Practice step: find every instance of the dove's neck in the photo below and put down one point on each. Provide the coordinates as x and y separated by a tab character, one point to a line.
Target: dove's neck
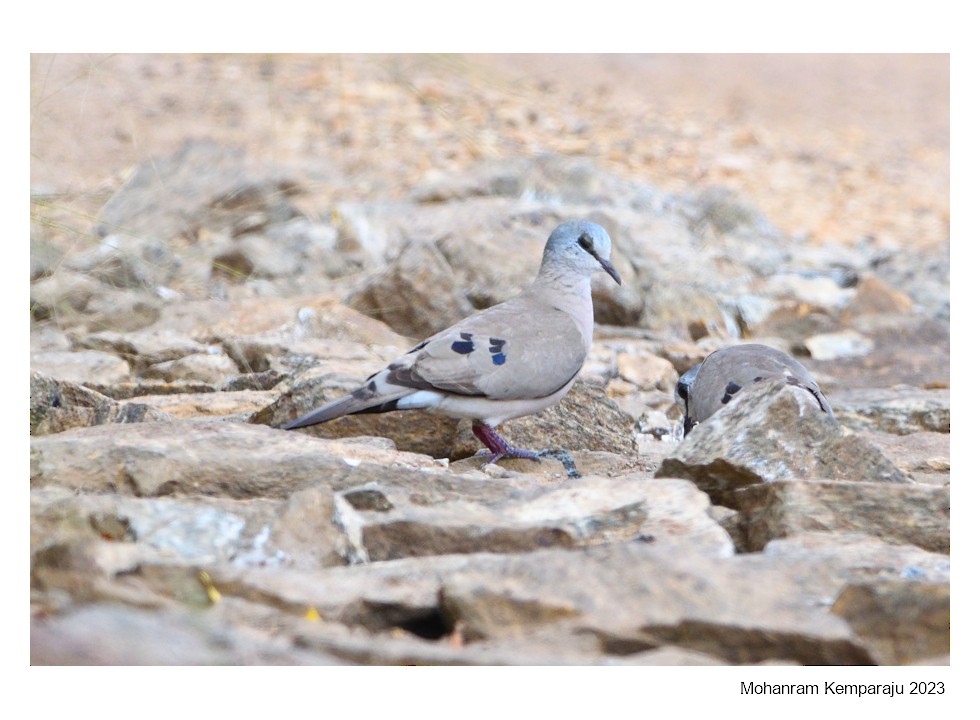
568	292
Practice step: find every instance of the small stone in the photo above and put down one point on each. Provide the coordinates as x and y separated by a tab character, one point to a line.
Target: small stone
844	344
648	372
876	297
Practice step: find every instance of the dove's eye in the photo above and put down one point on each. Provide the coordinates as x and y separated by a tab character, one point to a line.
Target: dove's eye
585	241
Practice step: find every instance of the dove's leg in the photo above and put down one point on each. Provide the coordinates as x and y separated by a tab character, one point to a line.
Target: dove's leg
499	448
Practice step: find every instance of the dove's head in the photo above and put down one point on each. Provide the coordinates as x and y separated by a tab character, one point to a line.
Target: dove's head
581	247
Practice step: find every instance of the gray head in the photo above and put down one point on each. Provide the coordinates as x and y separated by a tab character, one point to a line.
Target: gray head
580	247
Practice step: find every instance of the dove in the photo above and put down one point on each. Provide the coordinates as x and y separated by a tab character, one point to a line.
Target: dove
509	360
708	386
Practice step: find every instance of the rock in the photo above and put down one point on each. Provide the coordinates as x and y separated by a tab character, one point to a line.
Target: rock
57	406
417	295
195	531
752	311
771	434
817	291
296	247
208	458
72	299
155	388
903	514
184	532
128	261
239	405
45	337
82	366
924	455
745	609
118	635
656	423
726	213
831	346
648	372
898	410
686	311
215	368
585	419
205	457
142	348
170	196
391	523
901	622
876	297
853	550
908	349
62	293
46	258
304	533
922	273
121	310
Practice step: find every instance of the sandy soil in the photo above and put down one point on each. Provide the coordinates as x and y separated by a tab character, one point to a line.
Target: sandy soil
831	147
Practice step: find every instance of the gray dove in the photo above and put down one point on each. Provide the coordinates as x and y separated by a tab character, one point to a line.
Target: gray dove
510	360
708	386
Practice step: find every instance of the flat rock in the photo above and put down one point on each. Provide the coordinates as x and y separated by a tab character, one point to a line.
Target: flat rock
83	366
207	458
57	406
215	368
118	635
628	598
924	455
910	514
142	348
901	622
391	522
898	410
749	608
240	404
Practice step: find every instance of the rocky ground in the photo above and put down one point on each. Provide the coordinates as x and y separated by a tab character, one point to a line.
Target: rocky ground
220	243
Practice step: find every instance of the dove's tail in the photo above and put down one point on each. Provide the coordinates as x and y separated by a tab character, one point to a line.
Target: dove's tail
369	398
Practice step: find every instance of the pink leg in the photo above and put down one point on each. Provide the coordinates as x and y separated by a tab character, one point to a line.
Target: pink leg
499	448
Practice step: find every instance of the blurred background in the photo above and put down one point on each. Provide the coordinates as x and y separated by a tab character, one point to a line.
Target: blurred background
749	194
830	147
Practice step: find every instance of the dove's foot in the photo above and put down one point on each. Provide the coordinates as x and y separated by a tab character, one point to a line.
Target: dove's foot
565	458
498	447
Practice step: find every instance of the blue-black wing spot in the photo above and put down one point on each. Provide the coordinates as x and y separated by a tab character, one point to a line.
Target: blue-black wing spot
730	389
463	347
499	359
